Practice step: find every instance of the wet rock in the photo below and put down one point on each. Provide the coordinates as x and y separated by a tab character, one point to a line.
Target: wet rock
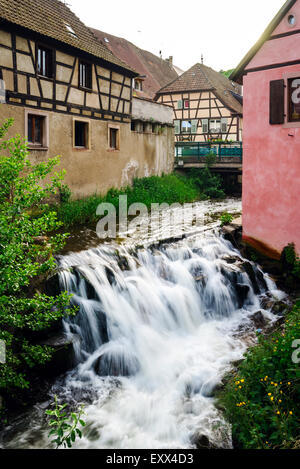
259	319
249	269
231	259
110	276
63	358
203	442
52	285
242	293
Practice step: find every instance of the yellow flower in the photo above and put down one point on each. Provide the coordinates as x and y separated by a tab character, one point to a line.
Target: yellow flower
280	401
272	399
278	413
291	413
289	384
242	381
269	394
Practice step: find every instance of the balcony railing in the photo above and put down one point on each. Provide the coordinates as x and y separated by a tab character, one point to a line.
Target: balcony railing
198	151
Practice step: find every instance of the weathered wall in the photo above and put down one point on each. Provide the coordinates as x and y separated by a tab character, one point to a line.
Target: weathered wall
152	112
99	168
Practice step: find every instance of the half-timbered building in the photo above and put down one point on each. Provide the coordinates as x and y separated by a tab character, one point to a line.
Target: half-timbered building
206	105
69	95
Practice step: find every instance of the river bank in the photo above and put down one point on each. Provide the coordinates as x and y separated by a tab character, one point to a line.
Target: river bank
178	340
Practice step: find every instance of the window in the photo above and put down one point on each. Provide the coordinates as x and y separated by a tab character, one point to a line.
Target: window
85	75
186	104
138	85
179	104
45	62
36	129
292	20
294	99
133	126
114	138
81	134
70	30
215	126
186	127
189	127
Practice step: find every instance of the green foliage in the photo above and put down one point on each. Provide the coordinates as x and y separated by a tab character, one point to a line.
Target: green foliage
25	260
227	73
65	428
208	184
169	189
65	193
262	400
292	259
226	218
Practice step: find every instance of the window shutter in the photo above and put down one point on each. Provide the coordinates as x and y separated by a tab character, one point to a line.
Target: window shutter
224	125
180	104
277	102
177	127
194	126
204	126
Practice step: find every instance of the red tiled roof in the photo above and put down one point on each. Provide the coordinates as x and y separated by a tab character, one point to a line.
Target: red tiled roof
157	72
203	78
49	18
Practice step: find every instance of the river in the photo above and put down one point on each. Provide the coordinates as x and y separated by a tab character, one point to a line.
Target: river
159	325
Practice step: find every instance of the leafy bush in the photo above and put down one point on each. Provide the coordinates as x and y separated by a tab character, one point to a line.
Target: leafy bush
262	400
208	184
26	258
226	218
292	259
65	193
65	428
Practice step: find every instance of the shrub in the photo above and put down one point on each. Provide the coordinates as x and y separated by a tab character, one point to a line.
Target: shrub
226	218
261	401
26	258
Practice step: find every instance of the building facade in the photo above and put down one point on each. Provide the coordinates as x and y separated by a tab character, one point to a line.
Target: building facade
206	105
70	96
271	167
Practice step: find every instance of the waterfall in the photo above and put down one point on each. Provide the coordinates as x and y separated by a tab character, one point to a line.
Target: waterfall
157	330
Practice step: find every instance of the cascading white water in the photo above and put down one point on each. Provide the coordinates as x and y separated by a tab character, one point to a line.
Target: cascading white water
166	328
157	330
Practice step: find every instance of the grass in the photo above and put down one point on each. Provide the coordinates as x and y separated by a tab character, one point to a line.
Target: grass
171	188
261	400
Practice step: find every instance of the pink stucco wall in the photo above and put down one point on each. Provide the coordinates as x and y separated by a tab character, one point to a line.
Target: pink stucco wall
271	168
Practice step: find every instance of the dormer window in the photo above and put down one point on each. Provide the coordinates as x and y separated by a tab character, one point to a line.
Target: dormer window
44	62
85	75
138	85
70	30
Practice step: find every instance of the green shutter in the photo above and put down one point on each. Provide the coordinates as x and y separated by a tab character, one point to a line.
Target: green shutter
194	126
204	126
224	125
180	104
177	127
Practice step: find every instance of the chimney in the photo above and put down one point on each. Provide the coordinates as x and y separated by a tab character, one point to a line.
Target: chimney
202	59
170	60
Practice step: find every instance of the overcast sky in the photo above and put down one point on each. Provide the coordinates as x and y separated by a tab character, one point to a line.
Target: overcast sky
222	30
